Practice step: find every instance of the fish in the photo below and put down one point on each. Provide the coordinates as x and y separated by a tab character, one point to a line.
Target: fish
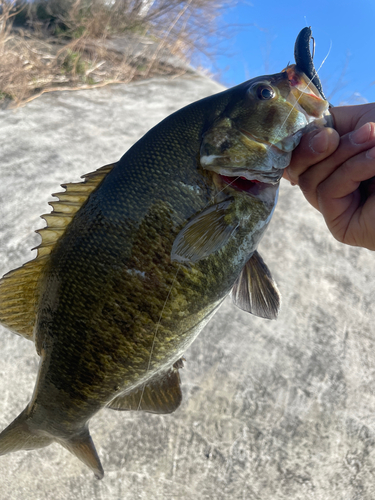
138	257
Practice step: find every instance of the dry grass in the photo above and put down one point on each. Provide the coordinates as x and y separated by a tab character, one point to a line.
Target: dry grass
77	49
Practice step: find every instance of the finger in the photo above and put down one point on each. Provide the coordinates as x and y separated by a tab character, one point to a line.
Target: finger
313	148
356	227
350	145
348	118
339	195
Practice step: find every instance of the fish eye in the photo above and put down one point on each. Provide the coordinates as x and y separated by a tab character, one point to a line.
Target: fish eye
265	92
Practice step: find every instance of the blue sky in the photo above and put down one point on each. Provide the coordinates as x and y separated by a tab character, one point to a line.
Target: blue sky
265	42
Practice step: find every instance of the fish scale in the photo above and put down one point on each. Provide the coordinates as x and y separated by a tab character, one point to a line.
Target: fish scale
136	259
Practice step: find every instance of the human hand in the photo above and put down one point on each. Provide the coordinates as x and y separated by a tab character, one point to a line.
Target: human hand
335	170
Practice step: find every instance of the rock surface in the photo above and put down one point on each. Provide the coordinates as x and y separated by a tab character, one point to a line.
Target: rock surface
272	409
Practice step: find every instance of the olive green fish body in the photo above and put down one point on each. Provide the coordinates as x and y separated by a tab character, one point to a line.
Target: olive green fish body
135	260
112	293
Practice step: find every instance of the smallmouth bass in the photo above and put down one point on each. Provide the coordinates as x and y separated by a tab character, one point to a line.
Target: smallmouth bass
135	261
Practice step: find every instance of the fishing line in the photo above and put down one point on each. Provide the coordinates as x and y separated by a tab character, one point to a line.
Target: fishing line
324	60
159	322
316	72
307	86
150	358
212	200
155	335
179	265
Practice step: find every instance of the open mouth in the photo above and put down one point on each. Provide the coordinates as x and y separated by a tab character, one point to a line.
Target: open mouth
263	191
239	183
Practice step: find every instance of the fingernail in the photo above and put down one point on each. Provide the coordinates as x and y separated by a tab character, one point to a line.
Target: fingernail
319	142
371	154
361	135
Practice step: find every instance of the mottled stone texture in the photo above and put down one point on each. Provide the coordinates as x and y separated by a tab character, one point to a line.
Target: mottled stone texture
272	409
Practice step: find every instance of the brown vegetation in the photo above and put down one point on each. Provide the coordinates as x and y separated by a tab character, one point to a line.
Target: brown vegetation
69	44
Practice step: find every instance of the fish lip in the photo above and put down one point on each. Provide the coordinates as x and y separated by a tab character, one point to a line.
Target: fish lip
286	144
302	85
289	143
260	141
297	78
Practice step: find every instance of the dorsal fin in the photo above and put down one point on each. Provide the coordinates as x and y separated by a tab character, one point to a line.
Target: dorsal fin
162	395
19	289
68	204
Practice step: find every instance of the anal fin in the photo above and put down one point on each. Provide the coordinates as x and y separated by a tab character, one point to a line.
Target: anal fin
162	395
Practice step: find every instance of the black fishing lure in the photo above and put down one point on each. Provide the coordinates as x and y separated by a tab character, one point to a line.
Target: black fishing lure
304	59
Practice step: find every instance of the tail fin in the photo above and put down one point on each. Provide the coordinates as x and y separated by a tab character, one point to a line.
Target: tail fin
17	436
21	435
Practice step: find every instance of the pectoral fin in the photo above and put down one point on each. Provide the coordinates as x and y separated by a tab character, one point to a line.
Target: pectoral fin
255	291
205	234
160	396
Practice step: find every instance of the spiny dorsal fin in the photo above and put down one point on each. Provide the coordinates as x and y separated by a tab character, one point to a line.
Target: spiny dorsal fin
160	396
19	289
68	204
255	291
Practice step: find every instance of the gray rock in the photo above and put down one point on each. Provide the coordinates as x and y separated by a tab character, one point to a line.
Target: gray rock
272	409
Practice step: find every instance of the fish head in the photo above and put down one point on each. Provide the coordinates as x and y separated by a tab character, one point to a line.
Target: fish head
263	123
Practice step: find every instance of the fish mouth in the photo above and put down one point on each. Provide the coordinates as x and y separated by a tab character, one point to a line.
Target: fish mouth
306	97
253	180
240	183
307	100
289	143
264	191
252	149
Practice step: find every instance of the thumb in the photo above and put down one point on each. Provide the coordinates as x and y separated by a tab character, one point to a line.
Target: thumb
313	148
